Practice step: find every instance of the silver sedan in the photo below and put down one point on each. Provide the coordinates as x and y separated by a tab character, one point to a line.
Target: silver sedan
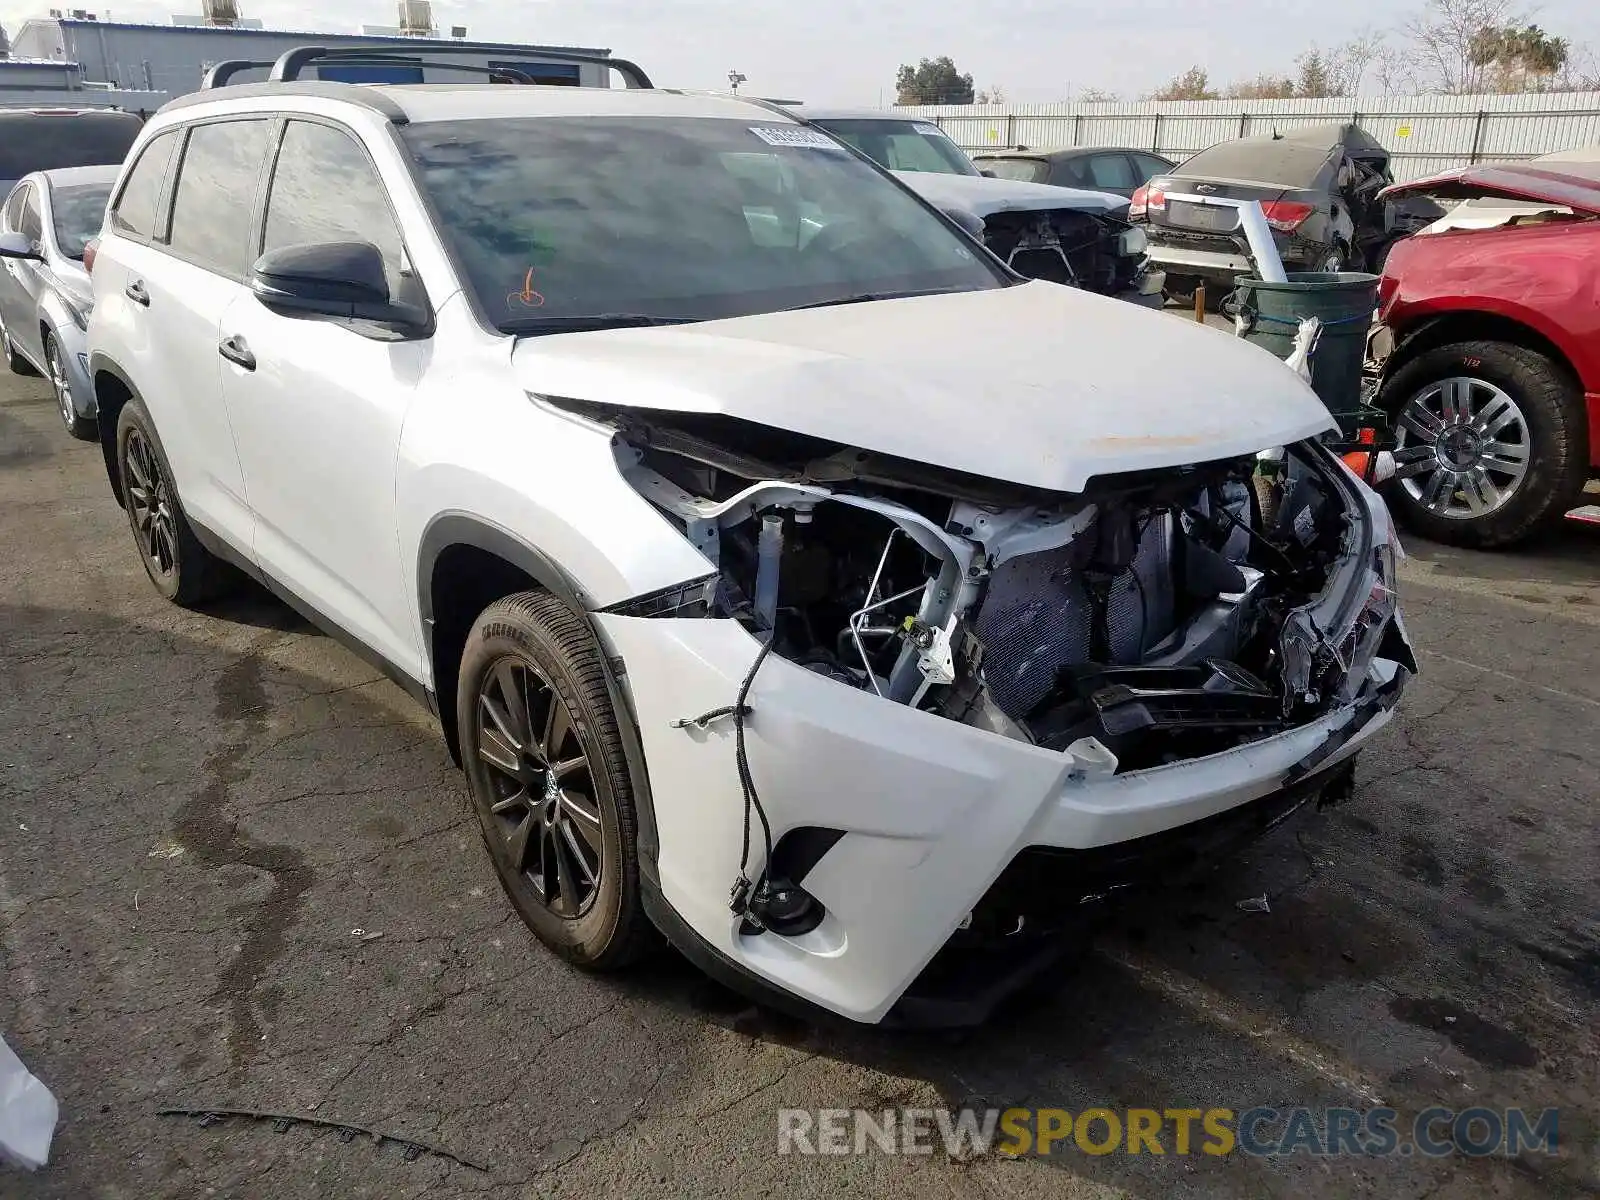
45	226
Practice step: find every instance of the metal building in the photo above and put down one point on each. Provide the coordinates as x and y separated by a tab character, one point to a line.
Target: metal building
55	83
173	58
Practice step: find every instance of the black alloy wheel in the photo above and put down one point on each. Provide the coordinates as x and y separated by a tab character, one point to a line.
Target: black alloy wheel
544	807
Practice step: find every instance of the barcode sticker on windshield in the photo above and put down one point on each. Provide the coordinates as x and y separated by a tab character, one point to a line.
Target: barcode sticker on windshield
795	136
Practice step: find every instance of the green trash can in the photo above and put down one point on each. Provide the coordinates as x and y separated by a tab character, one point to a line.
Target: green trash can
1344	301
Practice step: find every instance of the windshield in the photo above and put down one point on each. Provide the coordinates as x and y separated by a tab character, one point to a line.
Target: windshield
1022	170
78	210
902	145
674	218
50	141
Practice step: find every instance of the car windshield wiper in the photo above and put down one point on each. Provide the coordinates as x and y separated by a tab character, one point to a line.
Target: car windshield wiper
869	297
578	322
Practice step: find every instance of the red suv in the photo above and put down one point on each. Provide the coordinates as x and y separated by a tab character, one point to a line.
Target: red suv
1493	315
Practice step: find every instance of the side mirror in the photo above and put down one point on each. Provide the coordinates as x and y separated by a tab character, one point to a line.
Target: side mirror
16	245
333	279
987	173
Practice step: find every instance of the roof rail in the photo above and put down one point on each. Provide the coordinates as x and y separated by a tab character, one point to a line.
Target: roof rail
287	69
372	98
220	74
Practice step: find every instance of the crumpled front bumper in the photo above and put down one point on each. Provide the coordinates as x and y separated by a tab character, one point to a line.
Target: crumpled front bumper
931	811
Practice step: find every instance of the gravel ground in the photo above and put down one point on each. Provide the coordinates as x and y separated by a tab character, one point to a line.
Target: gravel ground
199	811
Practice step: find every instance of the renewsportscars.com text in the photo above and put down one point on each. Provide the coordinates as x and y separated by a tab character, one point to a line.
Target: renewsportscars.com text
1364	1132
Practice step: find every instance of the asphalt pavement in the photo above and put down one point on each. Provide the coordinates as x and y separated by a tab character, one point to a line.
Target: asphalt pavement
237	870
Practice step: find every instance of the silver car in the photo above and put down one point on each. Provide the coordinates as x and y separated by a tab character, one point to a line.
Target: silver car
45	296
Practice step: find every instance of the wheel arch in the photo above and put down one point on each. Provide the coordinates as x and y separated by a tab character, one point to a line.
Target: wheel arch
112	391
464	564
1476	325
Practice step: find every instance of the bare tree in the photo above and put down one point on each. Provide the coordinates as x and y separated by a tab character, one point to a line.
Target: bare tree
994	94
1394	69
1447	42
1193	84
1265	86
1580	73
1095	95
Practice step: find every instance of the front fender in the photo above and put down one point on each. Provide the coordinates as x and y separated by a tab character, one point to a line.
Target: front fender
56	317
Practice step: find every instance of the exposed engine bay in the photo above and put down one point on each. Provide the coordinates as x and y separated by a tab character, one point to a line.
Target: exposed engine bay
1156	617
1067	246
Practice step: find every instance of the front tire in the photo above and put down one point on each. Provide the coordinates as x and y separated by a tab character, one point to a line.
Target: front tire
181	569
1492	442
542	750
85	429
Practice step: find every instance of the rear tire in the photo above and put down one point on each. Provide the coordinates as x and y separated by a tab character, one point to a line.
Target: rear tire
181	569
1545	427
542	751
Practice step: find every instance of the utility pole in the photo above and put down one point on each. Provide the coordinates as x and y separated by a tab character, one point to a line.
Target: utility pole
735	79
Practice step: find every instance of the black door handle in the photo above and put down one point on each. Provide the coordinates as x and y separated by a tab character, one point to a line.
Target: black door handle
235	351
135	292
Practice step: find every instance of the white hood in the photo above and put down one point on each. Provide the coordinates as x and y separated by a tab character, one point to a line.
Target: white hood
1039	384
981	196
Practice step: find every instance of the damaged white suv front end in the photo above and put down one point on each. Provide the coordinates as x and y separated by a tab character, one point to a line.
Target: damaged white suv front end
970	647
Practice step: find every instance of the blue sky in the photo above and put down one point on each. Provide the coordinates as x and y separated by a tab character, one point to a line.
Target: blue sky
831	51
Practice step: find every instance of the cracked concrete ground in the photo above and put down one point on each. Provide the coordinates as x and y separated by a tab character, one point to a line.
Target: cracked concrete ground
199	811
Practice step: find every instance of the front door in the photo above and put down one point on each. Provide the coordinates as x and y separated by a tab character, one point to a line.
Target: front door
318	404
19	279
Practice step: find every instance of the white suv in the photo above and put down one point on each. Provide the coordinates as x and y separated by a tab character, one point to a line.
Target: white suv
651	439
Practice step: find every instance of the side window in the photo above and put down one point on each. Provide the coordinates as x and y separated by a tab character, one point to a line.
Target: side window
913	152
134	212
1071	172
1111	171
30	224
1149	167
12	215
325	189
215	198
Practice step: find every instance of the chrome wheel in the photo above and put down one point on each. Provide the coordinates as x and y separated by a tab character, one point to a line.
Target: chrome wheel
1462	447
58	381
150	505
544	805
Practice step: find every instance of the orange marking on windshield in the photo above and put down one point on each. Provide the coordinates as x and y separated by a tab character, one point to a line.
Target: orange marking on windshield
527	297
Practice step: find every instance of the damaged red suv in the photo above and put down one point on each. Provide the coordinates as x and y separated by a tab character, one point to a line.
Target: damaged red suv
1491	333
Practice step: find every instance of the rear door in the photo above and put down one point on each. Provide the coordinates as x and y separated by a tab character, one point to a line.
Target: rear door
196	271
318	404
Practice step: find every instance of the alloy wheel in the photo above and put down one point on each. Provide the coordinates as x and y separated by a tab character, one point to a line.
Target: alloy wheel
544	803
1462	447
58	380
150	505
